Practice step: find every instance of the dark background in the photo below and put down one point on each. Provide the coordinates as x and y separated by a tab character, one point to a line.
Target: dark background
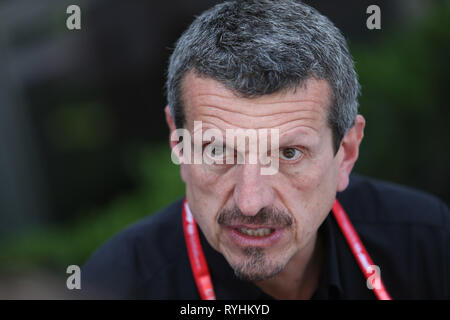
83	139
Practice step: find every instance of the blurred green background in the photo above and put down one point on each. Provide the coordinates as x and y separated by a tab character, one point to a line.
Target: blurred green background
84	143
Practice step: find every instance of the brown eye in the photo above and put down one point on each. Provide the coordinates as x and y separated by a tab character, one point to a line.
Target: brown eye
217	152
290	154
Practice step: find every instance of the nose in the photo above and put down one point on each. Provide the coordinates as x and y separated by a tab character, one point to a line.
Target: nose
252	191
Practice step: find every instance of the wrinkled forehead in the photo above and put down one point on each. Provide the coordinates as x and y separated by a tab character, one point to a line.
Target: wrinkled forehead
207	100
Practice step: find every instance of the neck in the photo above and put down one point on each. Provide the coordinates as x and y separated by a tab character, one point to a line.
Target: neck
300	278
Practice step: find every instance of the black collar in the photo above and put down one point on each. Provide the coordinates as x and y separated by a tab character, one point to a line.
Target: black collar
330	284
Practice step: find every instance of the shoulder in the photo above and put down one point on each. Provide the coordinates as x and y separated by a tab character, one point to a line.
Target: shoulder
371	200
136	255
406	231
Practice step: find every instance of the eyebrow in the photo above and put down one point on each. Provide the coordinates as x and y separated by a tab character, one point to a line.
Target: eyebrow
300	138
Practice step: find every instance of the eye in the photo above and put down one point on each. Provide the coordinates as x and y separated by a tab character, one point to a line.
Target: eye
216	152
290	154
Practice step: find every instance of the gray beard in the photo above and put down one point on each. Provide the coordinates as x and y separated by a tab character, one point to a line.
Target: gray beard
256	267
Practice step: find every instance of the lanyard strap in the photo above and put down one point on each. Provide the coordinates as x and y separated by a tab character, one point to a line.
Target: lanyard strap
203	278
359	251
196	256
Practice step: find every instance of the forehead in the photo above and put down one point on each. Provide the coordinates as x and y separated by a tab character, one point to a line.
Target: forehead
304	108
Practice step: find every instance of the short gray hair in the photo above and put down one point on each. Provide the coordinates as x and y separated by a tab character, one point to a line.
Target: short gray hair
258	47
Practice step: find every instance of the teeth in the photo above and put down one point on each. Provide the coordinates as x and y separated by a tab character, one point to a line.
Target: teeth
261	232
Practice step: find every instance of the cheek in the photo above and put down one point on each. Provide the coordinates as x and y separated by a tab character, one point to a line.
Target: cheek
200	186
313	175
309	193
205	181
207	193
303	180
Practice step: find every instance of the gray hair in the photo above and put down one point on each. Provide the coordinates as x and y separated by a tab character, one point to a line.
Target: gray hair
258	47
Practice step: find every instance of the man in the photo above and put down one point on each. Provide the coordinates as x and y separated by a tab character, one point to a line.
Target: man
257	65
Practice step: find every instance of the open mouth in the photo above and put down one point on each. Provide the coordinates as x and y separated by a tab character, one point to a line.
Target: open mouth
260	232
255	236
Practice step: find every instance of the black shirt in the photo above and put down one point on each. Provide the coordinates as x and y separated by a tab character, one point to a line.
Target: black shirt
406	232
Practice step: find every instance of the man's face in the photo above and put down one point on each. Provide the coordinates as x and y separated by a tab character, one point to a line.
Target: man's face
260	222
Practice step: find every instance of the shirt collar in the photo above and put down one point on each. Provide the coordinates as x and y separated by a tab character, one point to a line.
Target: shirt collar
330	283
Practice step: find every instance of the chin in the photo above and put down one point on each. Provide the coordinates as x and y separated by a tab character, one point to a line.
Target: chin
255	264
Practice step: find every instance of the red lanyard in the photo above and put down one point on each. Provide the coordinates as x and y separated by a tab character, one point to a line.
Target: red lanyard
196	256
203	278
359	251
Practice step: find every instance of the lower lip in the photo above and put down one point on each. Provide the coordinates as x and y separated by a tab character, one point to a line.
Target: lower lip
245	240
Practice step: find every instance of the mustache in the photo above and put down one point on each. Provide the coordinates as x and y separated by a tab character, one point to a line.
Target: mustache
272	217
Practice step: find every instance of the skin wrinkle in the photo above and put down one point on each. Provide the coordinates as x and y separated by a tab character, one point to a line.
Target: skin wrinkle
285	139
298	122
245	101
216	217
312	114
294	218
202	87
255	100
279	114
310	142
244	120
273	99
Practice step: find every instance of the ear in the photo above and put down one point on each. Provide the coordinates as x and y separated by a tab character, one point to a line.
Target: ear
174	142
171	123
349	151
